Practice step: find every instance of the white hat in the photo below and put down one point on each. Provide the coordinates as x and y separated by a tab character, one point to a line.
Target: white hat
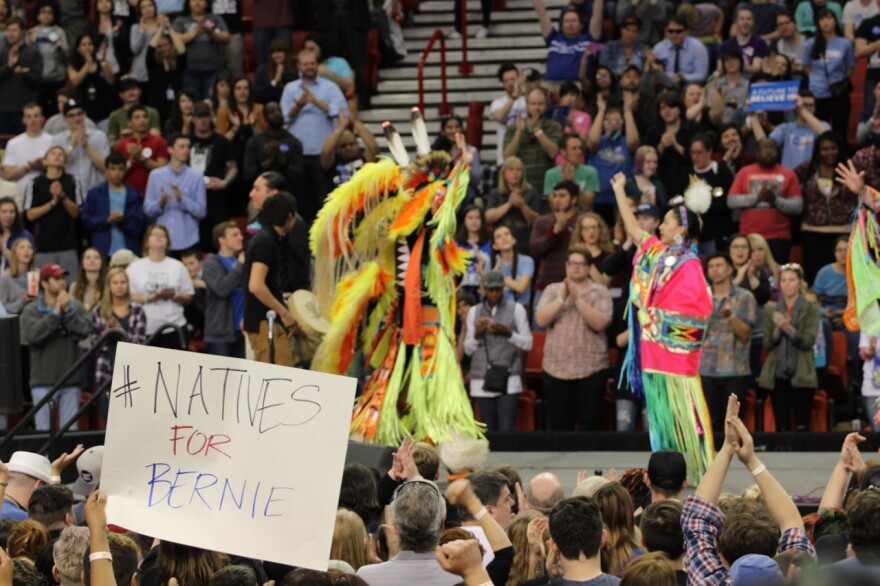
589	485
31	464
461	454
88	467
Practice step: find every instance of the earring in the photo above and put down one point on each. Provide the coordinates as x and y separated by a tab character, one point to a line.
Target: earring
678	239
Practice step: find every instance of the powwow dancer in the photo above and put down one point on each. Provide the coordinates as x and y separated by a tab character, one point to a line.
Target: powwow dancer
669	310
386	264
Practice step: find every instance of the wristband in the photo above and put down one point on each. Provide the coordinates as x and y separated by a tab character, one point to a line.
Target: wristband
481	513
101	555
759	470
54	480
539	133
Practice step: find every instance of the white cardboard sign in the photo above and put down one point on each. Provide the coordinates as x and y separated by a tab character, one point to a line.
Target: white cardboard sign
224	454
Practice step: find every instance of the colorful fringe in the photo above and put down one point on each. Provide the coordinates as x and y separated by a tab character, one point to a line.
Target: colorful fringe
863	276
679	419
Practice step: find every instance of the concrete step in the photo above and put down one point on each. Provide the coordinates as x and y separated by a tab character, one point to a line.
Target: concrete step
432	19
474	5
494	56
525	40
433	71
432	98
433	85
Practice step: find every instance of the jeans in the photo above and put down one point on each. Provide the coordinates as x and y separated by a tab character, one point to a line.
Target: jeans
230	349
67	400
201	82
499	413
627	411
264	36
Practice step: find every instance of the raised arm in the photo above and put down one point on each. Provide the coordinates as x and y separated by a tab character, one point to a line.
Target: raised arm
596	20
713	480
543	18
850	461
630	224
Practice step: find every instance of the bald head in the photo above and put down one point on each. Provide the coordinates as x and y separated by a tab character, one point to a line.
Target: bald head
545	490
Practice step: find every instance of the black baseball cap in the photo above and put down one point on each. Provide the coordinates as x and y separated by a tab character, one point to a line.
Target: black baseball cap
667	469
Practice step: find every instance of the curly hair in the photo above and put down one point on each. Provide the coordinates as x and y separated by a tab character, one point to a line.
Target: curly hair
604	242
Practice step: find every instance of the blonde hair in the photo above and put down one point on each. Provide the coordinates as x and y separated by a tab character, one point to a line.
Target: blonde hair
604	243
56	147
14	268
105	307
349	539
518	533
507	164
757	241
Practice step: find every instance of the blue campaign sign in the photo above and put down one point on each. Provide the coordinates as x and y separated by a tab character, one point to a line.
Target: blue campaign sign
773	96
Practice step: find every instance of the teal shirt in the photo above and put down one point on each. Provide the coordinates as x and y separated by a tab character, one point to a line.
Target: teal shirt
585	176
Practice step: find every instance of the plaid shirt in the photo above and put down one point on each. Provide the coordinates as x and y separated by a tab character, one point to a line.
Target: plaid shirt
866	160
137	334
701	523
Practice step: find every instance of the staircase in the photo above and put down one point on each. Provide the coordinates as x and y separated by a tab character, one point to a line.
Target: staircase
514	36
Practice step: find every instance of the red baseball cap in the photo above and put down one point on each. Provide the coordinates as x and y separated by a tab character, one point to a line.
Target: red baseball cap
52	270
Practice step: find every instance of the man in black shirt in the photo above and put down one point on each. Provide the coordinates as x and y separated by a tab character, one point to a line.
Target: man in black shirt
212	155
262	274
274	149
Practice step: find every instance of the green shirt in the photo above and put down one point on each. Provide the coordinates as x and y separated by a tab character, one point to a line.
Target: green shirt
585	176
118	122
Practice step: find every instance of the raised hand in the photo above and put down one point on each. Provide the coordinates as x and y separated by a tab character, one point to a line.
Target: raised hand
851	178
467	153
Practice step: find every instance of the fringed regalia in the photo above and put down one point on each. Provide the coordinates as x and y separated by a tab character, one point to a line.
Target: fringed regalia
386	264
670	306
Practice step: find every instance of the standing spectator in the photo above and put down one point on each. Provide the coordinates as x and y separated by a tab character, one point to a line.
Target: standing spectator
51	41
271	77
310	106
88	285
211	155
140	34
483	31
204	34
90	71
796	138
13	282
224	309
473	236
221	92
518	269
86	147
176	197
574	169
113	213
130	95
505	110
52	327
630	49
789	372
613	137
765	13
870	386
867	44
333	68
181	117
274	149
273	21
829	61
194	312
683	57
166	62
790	42
644	187
856	12
729	90
828	204
110	32
591	234
514	203
566	47
754	49
724	364
551	234
161	285
11	226
576	312
262	276
671	137
534	138
23	158
21	72
341	155
231	12
57	123
807	14
832	288
52	203
730	150
574	121
497	331
718	220
451	126
768	195
143	151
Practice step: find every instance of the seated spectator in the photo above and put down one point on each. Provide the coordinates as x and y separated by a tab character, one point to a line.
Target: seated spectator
67	555
768	195
602	83
576	312
807	15
789	41
112	212
711	536
349	540
621	546
644	187
13	282
273	150
143	151
270	78
614	135
11	223
724	362
831	284
224	308
573	169
730	88
497	334
671	136
505	110
221	92
578	538
23	157
51	41
534	139
161	285
473	236
795	139
52	506
551	234
518	269
683	57
630	49
451	126
181	118
746	39
544	492
829	61
166	62
334	68
204	34
717	221
90	70
694	100
660	527
21	84
573	120
592	235
52	202
870	373
86	148
566	45
729	150
88	286
341	155
57	123
26	540
129	94
514	203
417	512
195	310
790	328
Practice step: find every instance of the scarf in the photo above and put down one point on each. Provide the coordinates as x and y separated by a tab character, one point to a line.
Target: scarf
786	353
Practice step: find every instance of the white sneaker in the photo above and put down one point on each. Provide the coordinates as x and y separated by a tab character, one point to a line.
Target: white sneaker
482	33
455	35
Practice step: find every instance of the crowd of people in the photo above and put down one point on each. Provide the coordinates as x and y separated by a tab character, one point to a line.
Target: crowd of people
480	526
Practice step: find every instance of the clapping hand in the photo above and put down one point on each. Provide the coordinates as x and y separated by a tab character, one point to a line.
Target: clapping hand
176	191
850	458
780	319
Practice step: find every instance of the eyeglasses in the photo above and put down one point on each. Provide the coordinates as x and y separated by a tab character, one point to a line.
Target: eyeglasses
675	31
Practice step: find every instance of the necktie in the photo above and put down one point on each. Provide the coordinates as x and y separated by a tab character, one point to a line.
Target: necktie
677	54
